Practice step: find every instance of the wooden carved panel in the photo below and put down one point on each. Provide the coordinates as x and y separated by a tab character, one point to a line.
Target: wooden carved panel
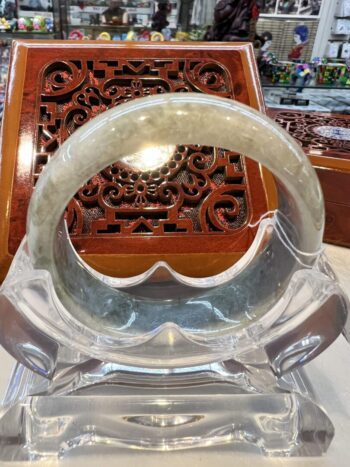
325	138
202	201
200	190
322	134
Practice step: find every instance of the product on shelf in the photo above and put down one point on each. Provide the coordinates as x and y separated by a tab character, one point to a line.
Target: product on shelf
341	26
344	77
76	34
197	34
4	24
167	34
301	74
282	72
317	72
25	24
301	38
34	16
234	21
39	24
35	8
343	9
345	50
157	36
114	13
145	35
332	50
104	36
182	36
131	36
333	74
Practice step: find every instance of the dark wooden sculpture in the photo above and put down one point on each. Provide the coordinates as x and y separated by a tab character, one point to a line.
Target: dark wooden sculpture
326	140
159	19
204	201
234	20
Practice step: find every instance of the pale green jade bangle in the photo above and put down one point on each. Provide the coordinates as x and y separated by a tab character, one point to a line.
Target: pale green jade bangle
170	119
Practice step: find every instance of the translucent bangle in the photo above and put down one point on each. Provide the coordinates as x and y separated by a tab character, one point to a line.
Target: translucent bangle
179	321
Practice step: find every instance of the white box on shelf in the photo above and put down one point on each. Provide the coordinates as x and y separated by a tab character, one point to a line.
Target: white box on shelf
332	50
343	9
341	26
345	50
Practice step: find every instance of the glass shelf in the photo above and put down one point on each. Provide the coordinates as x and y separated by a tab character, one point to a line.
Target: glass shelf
103	27
27	35
295	9
267	84
90	17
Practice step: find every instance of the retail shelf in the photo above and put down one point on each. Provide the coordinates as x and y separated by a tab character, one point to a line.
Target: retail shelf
27	35
104	27
296	86
286	16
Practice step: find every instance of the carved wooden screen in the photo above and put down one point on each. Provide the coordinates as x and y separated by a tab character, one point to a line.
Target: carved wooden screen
320	134
325	138
201	194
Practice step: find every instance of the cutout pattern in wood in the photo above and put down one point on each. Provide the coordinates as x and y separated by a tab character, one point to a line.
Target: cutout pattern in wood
200	190
318	133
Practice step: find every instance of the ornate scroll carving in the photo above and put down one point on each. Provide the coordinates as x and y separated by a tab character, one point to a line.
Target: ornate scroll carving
314	132
199	190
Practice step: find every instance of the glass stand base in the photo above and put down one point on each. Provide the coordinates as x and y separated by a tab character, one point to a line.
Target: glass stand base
198	410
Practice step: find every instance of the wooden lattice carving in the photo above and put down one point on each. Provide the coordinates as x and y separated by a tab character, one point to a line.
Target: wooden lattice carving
200	190
205	201
326	135
325	138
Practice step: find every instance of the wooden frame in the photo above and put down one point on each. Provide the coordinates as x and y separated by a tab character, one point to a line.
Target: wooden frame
331	159
40	71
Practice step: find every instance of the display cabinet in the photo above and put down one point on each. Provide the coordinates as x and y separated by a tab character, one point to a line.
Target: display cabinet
104	19
281	18
291	7
325	138
29	17
307	43
199	196
333	36
25	19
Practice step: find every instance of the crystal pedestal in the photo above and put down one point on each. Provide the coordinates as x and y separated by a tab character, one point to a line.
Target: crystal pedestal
162	361
205	407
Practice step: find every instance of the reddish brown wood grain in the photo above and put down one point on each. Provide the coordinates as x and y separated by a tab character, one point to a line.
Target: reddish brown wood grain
331	158
198	212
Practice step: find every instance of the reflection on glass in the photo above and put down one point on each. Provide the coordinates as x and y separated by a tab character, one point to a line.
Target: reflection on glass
310	7
288	7
268	6
291	7
150	158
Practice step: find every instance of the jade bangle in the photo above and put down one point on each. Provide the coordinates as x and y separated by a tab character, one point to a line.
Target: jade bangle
174	119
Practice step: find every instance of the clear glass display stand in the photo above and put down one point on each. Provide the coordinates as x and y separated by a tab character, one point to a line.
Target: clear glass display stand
162	361
108	405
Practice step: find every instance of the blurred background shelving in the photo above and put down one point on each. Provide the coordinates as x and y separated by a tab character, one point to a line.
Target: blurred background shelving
327	22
